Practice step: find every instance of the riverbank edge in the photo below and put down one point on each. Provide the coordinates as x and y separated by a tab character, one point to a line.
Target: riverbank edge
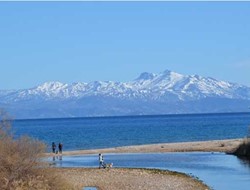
75	176
227	146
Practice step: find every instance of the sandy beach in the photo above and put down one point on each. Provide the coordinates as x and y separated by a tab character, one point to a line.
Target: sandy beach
204	146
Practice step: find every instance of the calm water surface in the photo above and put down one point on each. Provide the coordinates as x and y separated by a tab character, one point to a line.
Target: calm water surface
104	132
218	170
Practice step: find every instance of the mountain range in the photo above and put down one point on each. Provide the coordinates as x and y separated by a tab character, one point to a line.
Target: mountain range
164	93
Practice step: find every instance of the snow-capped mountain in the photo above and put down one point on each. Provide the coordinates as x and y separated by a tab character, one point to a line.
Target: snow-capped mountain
163	93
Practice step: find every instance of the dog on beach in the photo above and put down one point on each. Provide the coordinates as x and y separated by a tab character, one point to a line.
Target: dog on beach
108	165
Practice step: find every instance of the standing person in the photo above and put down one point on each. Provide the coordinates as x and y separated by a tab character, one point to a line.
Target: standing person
60	146
53	147
100	161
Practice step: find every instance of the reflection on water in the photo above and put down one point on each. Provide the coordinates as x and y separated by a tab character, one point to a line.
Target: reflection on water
54	158
244	161
57	160
220	171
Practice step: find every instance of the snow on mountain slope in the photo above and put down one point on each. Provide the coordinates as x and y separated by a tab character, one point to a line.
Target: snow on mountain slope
163	93
186	87
147	85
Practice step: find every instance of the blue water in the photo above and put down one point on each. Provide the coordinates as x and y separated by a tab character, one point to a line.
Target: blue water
104	132
218	170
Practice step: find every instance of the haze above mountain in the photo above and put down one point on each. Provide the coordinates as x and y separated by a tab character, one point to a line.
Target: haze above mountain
164	93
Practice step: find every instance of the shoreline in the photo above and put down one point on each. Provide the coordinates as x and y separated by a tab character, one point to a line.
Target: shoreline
227	146
130	179
139	178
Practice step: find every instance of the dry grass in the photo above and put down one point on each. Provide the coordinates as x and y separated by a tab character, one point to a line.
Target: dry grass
20	165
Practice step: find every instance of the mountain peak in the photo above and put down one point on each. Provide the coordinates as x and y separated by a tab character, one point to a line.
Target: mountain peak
146	76
51	85
167	71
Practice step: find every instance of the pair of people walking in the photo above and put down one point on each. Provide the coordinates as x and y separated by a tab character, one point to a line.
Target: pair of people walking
60	146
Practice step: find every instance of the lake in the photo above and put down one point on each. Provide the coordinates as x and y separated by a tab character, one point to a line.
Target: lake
106	132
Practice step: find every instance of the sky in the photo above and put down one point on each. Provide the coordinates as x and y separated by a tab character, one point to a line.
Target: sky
88	41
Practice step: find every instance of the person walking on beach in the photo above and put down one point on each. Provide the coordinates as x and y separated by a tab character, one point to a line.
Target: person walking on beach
53	147
100	161
60	146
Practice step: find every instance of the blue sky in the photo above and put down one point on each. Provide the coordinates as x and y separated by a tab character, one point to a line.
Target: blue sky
87	41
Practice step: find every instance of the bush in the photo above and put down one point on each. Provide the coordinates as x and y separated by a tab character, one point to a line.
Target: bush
20	164
244	149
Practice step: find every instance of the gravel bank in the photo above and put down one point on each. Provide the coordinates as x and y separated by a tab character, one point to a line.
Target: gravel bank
130	179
